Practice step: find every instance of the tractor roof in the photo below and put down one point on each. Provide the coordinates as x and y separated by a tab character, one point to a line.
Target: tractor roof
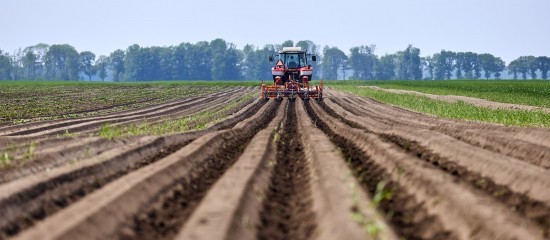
292	49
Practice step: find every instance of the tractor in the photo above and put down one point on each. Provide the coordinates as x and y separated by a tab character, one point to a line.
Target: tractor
292	76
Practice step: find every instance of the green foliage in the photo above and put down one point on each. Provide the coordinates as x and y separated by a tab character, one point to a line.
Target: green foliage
288	43
197	121
534	93
221	60
5	159
117	62
43	100
61	62
382	193
29	154
334	60
5	66
101	67
86	61
408	64
458	110
363	61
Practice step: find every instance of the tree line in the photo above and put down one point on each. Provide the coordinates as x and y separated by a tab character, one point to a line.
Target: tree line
220	60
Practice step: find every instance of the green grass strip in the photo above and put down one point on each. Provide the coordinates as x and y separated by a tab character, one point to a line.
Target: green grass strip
458	110
526	92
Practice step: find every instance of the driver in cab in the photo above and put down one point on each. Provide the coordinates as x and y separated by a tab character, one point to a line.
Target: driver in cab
292	62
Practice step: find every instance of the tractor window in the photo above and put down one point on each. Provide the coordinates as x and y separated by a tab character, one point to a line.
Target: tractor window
295	60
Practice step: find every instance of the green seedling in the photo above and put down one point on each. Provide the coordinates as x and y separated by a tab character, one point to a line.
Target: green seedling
5	159
382	193
29	154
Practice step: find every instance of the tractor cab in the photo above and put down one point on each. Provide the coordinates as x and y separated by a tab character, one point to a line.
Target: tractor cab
292	75
292	65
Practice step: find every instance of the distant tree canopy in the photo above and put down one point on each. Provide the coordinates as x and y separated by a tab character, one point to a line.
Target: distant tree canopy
220	60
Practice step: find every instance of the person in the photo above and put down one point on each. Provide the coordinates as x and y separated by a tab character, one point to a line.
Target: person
292	63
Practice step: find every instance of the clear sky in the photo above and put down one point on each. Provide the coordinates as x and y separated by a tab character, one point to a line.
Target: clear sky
505	28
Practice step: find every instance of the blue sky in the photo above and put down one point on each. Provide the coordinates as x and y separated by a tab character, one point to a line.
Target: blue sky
505	28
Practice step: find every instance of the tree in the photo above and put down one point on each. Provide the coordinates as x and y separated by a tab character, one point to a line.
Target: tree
385	69
179	61
491	65
444	64
307	45
86	60
333	60
513	68
225	60
167	63
288	43
29	64
101	66
532	65
524	65
17	69
5	66
362	60
428	64
61	62
255	64
117	63
133	64
498	67
470	64
544	66
199	61
409	64
311	49
460	61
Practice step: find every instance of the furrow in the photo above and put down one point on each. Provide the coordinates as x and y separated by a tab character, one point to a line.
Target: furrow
515	183
37	196
62	126
420	200
287	210
230	210
104	212
163	216
342	208
51	153
503	140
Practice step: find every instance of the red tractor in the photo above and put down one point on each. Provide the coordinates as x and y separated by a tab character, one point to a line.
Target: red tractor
292	76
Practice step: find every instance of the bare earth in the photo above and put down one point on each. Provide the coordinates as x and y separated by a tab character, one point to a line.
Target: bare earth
344	168
471	100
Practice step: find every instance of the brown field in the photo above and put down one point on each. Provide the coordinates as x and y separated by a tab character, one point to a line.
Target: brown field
344	168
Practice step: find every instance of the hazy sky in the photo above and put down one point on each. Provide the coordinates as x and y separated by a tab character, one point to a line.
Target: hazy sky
505	28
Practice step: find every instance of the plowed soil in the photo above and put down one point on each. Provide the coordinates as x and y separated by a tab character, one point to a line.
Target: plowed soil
346	167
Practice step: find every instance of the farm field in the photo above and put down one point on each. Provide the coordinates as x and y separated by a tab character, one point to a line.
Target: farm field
214	161
526	92
484	101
